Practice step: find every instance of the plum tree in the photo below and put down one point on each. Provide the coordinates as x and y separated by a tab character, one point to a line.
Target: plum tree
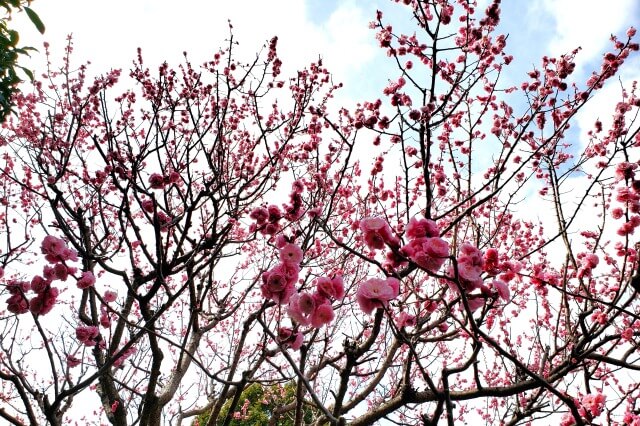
206	231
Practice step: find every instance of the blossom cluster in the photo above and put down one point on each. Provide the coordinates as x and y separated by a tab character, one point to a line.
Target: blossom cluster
278	283
376	293
304	308
267	219
158	181
629	196
427	250
316	309
57	253
470	264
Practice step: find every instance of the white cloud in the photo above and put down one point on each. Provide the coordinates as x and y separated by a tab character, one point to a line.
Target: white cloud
108	33
587	23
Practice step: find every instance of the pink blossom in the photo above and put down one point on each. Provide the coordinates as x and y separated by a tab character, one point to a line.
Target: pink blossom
291	253
156	181
59	271
405	320
376	293
475	302
72	361
330	288
420	228
297	342
274	280
87	279
322	315
281	241
147	205
377	233
260	215
502	289
39	284
18	287
301	306
105	318
491	261
617	213
123	356
44	302
174	177
110	296
470	265
56	250
274	213
288	338
567	420
279	282
428	253
594	403
626	170
627	334
590	261
18	304
87	334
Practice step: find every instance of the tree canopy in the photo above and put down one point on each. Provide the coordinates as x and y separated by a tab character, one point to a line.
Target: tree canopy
223	240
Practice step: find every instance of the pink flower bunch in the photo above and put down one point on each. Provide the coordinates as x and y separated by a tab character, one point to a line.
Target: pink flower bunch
105	317
428	253
376	293
626	171
330	288
491	262
110	296
123	356
46	296
59	271
301	307
502	289
87	334
294	210
291	253
593	403
405	320
267	220
288	338
378	233
73	361
630	197
86	280
57	253
588	261
18	303
470	263
278	283
56	250
316	309
158	181
469	268
421	228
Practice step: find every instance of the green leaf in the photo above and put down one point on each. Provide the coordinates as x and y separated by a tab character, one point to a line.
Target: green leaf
15	3
35	19
28	72
15	37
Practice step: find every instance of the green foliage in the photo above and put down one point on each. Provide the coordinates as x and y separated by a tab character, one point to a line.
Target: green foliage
10	53
262	403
